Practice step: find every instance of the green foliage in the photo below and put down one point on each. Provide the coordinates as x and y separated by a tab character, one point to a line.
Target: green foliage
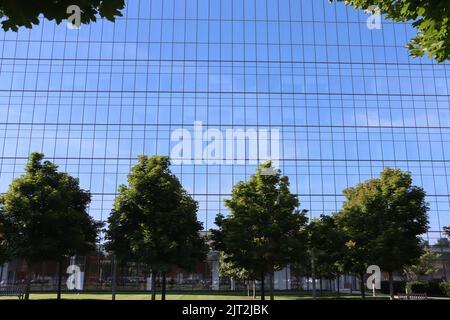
383	219
426	265
445	288
228	269
3	255
417	287
447	231
431	18
328	244
26	13
43	215
264	231
442	243
154	219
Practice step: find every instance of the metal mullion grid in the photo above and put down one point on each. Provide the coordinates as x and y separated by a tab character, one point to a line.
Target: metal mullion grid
9	106
244	97
380	126
279	93
269	100
401	102
297	191
118	162
59	102
306	127
159	91
71	109
95	118
355	132
320	128
368	127
195	100
184	81
133	96
232	85
378	63
48	92
336	204
106	141
94	129
390	105
442	142
220	109
317	100
432	158
108	108
257	96
207	199
417	141
281	84
147	80
34	98
7	110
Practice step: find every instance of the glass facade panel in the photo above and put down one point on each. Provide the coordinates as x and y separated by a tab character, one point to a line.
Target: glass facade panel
304	82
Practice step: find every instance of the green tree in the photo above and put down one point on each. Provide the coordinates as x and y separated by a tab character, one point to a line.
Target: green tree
431	18
263	231
442	243
230	270
447	231
18	13
383	219
328	244
154	221
424	266
43	216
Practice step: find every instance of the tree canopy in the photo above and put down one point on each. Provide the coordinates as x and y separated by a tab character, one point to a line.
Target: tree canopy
43	215
18	13
431	18
328	244
264	231
154	219
383	219
424	266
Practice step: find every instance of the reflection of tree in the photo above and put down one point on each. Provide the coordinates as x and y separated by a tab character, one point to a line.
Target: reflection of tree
19	13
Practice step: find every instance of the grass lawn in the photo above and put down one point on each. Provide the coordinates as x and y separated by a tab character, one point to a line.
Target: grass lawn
189	296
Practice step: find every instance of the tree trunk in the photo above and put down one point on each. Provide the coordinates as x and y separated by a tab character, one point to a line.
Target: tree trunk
247	283
60	271
28	281
114	278
351	283
163	286
362	285
313	275
263	294
320	285
338	285
391	285
254	289
154	285
272	296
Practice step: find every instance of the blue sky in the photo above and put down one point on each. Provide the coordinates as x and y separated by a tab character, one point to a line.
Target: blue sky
348	100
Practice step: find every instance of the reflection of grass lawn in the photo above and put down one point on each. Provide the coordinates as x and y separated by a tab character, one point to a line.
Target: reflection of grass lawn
192	296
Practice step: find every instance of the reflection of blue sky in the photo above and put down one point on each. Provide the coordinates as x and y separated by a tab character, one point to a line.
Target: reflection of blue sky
348	100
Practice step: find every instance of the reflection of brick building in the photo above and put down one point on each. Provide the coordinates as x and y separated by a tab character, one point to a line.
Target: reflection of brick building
444	263
98	272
